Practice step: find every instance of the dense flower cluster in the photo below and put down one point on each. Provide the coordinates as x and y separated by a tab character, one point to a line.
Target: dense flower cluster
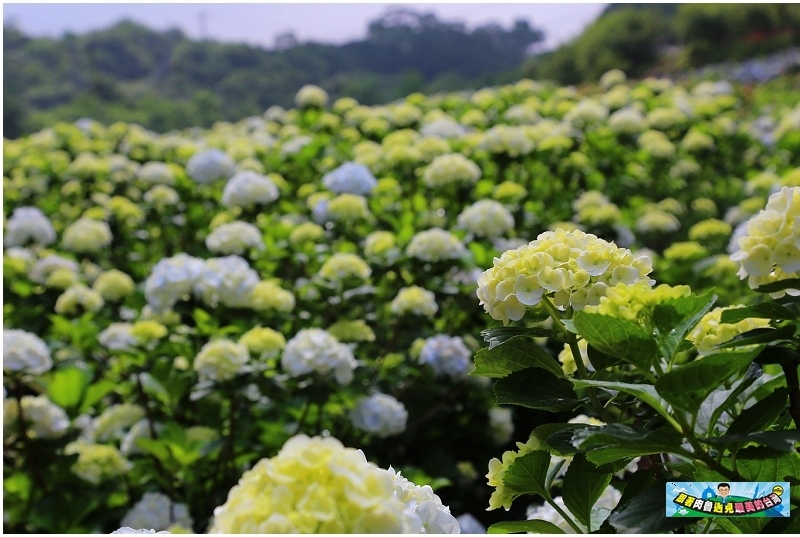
157	511
171	279
97	462
502	496
315	350
155	173
114	285
248	188
234	238
505	139
86	235
486	218
25	352
414	300
78	298
220	360
447	356
117	336
435	245
453	168
316	485
381	246
263	342
347	208
770	250
710	331
573	267
341	266
635	302
268	295
351	331
311	96
379	414
44	418
350	178
226	280
28	224
210	165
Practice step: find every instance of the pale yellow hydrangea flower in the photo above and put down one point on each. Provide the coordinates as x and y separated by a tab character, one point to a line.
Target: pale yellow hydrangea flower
710	331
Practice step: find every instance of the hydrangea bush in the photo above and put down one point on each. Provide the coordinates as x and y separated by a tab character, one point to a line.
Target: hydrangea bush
191	318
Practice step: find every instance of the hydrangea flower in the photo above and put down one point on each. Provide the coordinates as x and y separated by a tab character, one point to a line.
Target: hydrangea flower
28	224
710	331
503	496
220	360
78	297
117	337
264	342
435	245
311	96
97	462
346	208
156	173
115	421
210	165
381	246
501	424
453	168
316	485
342	266
315	350
267	295
626	120
25	352
248	188
770	250
414	300
379	414
447	356
44	418
572	267
635	302
486	218
114	285
226	280
156	510
234	238
86	235
350	178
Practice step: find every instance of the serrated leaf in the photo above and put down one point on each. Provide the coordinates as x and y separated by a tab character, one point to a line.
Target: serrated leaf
675	318
604	445
536	388
645	514
525	526
761	414
644	392
514	354
766	310
528	474
687	386
781	285
558	436
617	337
754	372
66	386
498	336
583	485
762	464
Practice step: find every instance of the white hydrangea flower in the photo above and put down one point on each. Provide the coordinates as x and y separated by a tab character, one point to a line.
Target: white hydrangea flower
47	266
350	178
220	360
435	245
486	218
209	166
469	525
512	141
234	238
379	414
311	96
28	224
25	352
78	297
161	196
44	418
156	173
86	235
444	127
171	279
627	120
414	300
453	168
228	281
315	350
586	112
425	505
115	421
156	510
126	530
447	356
248	188
501	424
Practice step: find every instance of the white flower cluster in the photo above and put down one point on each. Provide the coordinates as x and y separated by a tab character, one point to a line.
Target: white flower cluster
234	238
117	337
447	356
501	424
512	141
379	414
156	510
311	96
25	352
28	224
171	279
486	218
443	128
248	188
414	300
44	418
627	120
435	245
586	112
453	168
426	506
350	178
50	265
315	350
220	360
228	281
155	173
86	235
209	166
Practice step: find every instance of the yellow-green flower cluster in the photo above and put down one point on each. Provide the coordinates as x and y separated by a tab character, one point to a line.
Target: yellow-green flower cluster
146	331
710	331
76	297
306	232
264	342
453	168
486	218
234	238
348	208
503	496
311	96
114	285
592	208
342	266
685	251
509	192
710	229
512	141
770	250
435	244
635	302
351	331
381	245
220	360
697	141
115	420
268	295
414	300
572	267
656	143
655	220
316	485
86	235
567	359
97	462
161	196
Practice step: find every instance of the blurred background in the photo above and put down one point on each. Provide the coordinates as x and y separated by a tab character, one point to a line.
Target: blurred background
172	66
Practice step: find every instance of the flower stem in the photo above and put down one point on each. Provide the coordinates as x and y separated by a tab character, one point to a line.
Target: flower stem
565	516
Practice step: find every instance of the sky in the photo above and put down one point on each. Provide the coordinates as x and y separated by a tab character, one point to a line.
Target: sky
259	23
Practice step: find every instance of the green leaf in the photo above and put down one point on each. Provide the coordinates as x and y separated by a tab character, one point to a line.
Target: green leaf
675	318
601	360
583	485
645	514
777	440
514	354
616	441
498	336
645	392
762	464
760	336
527	474
66	386
558	436
781	285
525	526
536	388
617	337
687	386
754	372
750	526
95	394
766	310
761	414
776	355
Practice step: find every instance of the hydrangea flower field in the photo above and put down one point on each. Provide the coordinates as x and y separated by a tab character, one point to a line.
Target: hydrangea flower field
526	306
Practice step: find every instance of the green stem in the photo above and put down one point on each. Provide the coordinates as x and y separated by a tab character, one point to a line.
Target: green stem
303	416
565	516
